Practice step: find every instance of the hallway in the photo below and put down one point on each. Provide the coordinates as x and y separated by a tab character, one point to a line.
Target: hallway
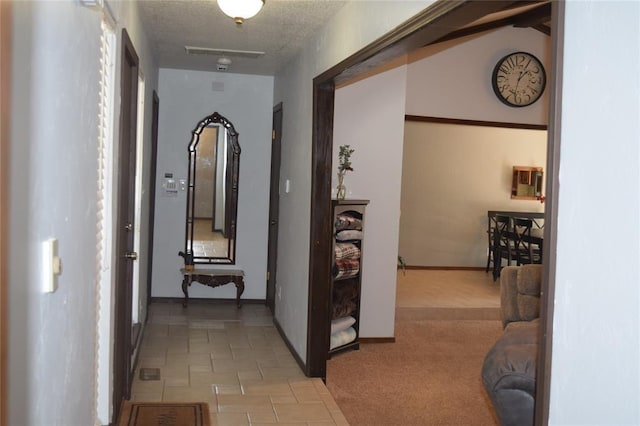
233	359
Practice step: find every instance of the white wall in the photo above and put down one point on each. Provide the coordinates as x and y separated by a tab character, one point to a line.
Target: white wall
54	117
595	373
369	116
451	175
186	97
354	26
453	79
53	337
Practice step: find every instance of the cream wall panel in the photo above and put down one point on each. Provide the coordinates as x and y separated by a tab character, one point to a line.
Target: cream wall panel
451	176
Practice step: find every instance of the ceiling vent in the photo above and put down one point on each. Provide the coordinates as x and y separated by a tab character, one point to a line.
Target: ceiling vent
193	50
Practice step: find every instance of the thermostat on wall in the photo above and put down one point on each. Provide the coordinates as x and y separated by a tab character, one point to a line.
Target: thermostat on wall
169	186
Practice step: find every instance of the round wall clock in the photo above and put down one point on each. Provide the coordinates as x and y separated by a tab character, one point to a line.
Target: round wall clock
518	79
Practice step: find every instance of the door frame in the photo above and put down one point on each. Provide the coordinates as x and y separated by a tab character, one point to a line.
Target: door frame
5	122
155	110
274	204
417	32
126	161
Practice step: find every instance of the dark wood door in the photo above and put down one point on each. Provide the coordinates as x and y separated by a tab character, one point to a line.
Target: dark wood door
152	190
125	225
274	203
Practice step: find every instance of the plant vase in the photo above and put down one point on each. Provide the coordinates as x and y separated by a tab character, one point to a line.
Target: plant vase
341	189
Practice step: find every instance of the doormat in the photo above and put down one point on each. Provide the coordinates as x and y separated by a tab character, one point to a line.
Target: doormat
164	414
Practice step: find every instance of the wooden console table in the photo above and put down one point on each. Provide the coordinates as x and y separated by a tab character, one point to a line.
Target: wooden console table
212	278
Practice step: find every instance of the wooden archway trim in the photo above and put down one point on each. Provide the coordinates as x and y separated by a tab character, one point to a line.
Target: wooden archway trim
418	32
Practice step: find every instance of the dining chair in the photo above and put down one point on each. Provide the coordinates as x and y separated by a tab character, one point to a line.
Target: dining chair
527	250
502	245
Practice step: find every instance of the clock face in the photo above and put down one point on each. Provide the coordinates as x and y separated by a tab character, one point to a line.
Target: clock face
518	79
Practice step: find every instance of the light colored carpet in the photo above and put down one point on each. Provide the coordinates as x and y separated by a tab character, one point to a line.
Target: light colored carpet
429	376
447	294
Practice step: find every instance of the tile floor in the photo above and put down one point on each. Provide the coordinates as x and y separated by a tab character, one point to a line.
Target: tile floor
233	359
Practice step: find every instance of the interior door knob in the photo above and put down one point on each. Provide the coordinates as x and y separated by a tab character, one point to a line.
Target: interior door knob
128	227
273	222
131	255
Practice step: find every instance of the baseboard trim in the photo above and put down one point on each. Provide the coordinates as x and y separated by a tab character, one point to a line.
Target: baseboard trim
377	340
445	268
295	355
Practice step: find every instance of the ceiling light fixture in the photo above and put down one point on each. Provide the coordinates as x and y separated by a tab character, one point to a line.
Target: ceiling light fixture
239	10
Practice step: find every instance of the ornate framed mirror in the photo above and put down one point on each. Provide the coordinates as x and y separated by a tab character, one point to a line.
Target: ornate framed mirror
212	192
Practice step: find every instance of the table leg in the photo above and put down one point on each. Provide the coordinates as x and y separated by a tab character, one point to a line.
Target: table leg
185	290
239	290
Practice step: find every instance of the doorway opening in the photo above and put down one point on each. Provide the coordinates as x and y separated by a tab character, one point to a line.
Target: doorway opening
418	32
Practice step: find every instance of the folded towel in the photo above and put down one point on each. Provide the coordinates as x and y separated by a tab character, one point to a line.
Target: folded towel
349	234
346	268
342	337
342	324
346	251
345	221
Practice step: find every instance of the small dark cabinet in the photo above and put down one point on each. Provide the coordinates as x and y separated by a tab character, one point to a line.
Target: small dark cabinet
346	274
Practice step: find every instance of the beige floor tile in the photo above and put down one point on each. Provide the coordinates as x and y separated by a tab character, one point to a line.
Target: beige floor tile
229	378
236	362
284	424
201	368
303	412
221	351
269	363
147	386
178	349
190	359
227	389
254	353
179	330
236	342
339	418
267	388
175	375
156	330
308	394
283	373
151	361
229	419
283	399
201	378
243	403
201	347
249	375
190	394
262	416
230	365
206	324
147	397
198	334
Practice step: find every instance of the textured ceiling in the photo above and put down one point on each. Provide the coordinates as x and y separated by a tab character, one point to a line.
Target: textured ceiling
279	30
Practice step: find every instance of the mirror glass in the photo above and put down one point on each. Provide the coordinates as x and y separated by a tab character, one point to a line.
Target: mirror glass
212	192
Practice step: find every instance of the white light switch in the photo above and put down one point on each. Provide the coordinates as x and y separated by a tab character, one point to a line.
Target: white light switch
287	186
51	265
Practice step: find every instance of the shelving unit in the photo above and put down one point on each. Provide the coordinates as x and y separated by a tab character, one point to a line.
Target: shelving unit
527	183
348	238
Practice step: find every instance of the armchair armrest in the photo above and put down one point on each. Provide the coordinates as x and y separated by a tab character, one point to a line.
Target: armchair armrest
520	293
